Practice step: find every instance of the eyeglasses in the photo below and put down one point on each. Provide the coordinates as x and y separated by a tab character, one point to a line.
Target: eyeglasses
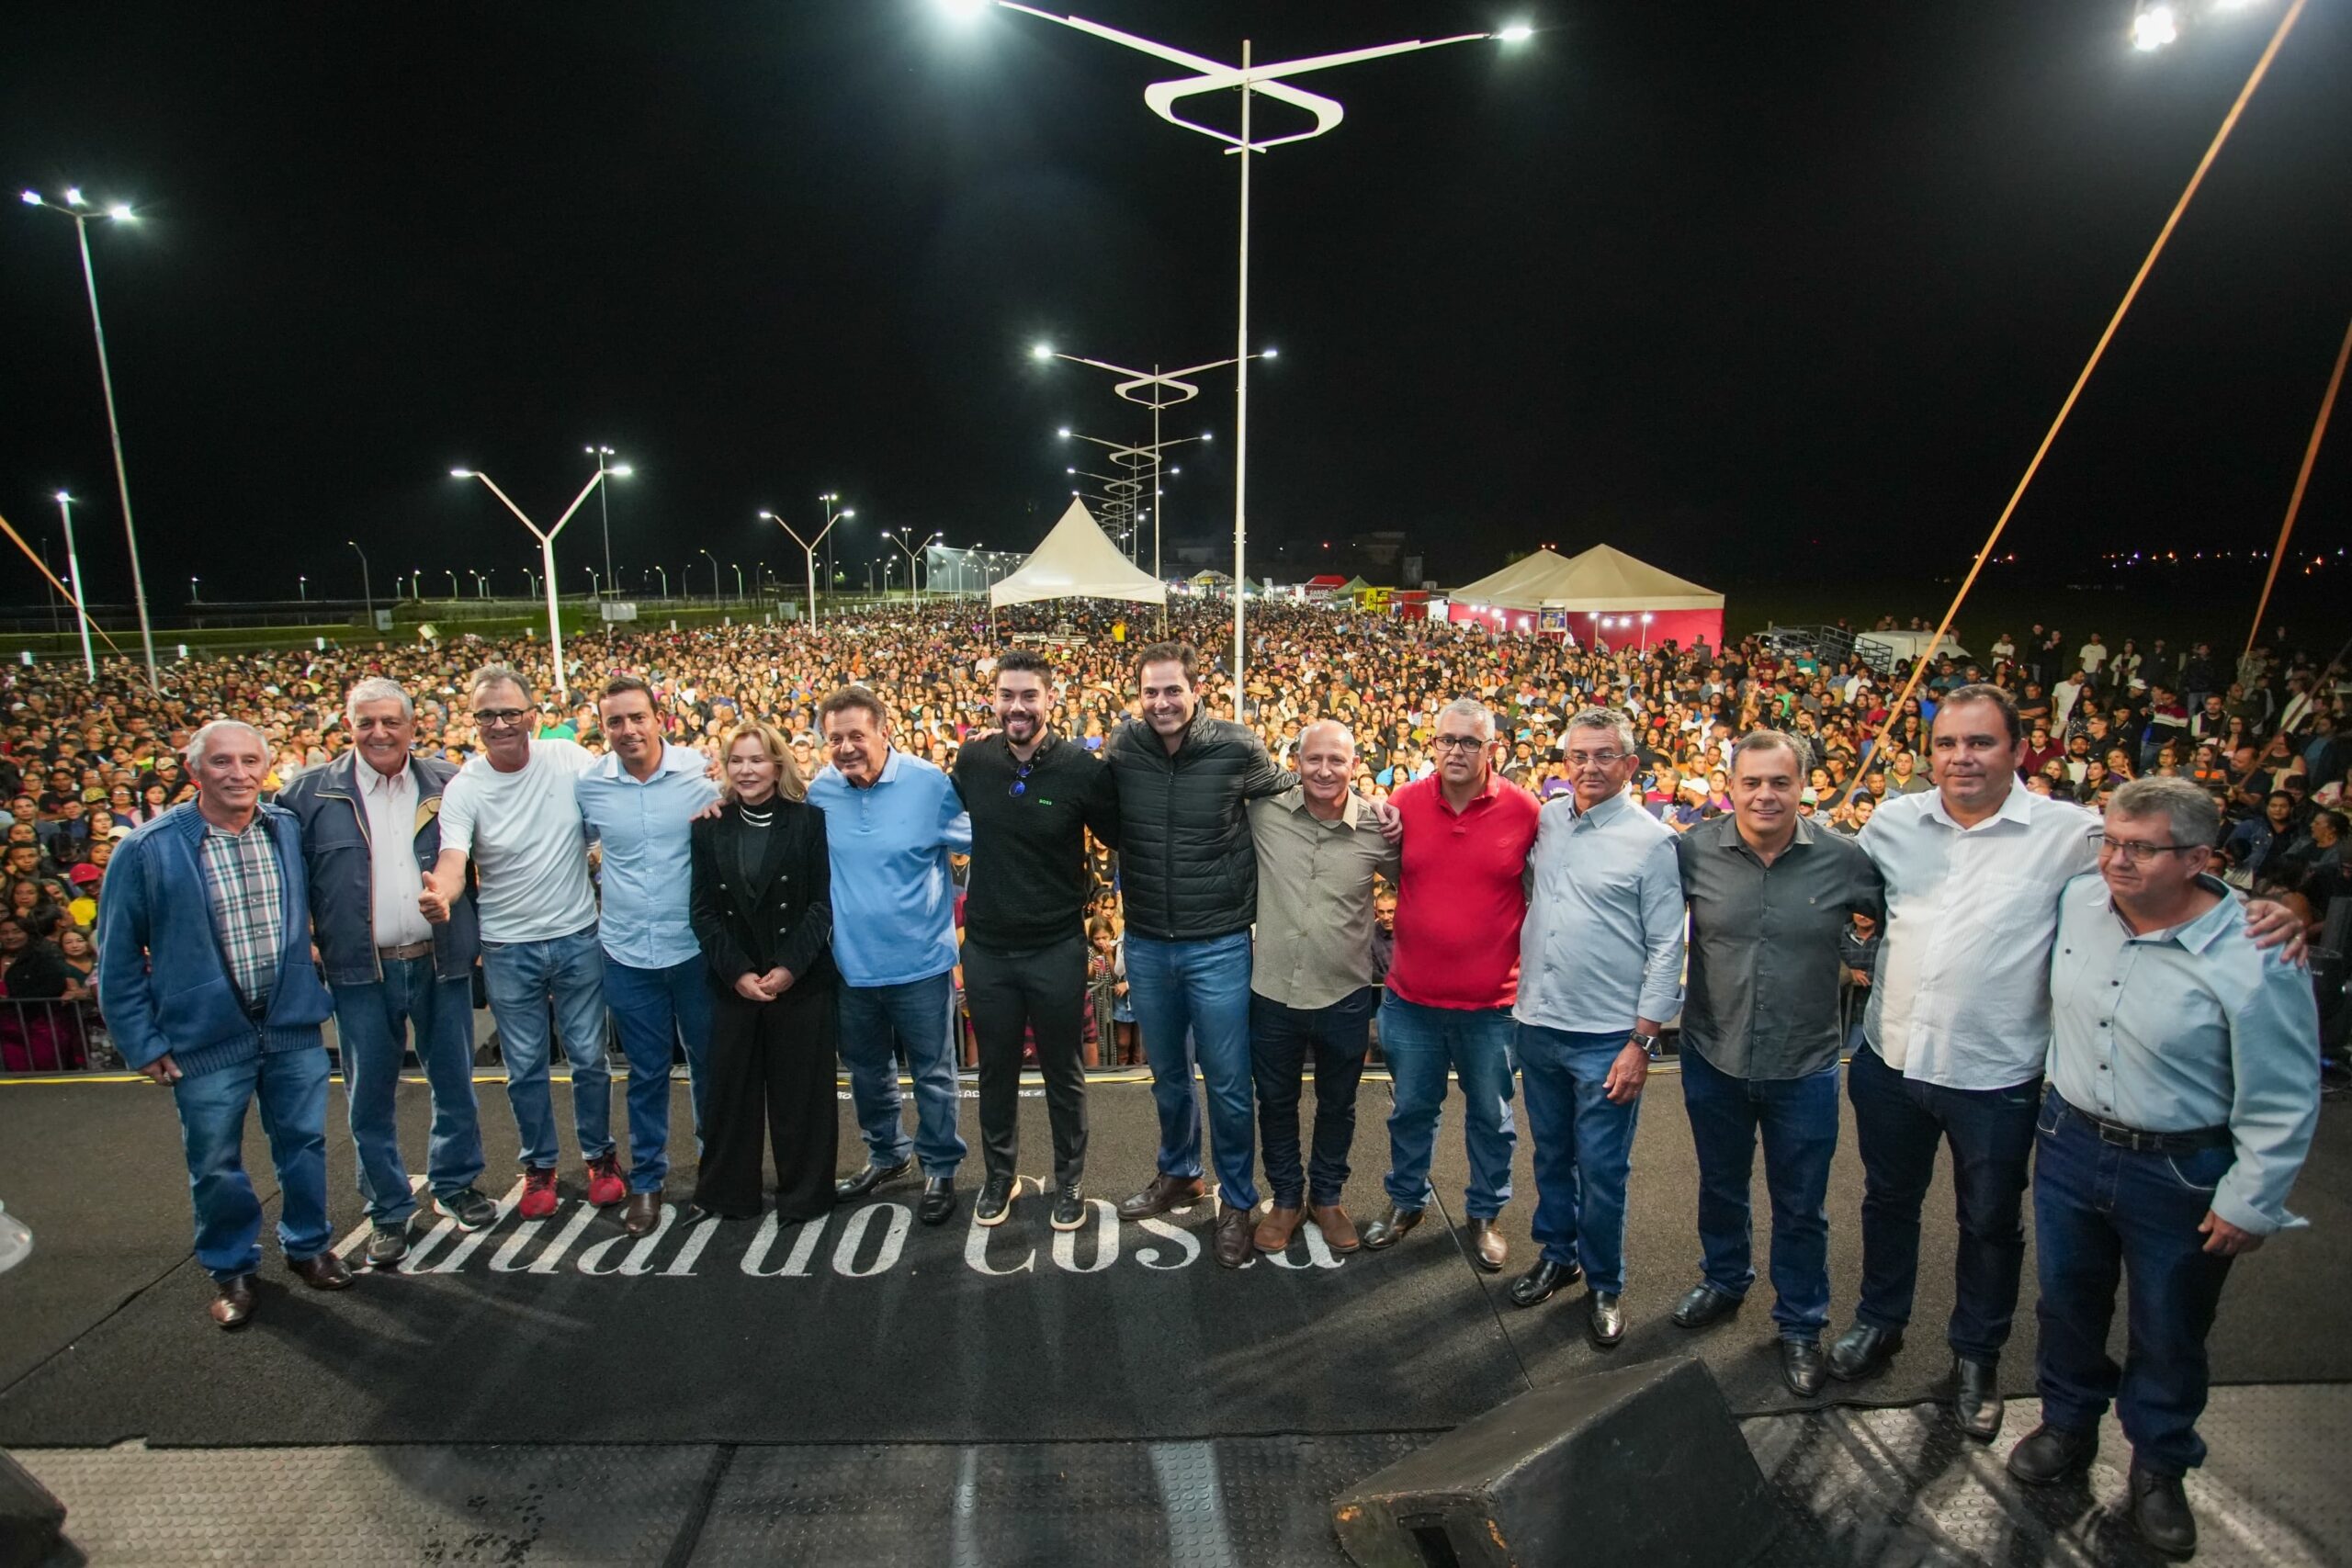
495	718
1456	742
1594	758
1021	779
2132	851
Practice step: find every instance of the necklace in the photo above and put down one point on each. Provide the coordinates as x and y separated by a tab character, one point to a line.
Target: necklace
756	818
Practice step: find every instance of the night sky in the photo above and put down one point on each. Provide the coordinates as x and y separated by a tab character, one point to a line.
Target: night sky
1756	292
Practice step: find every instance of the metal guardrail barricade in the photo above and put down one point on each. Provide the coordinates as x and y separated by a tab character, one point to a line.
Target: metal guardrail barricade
41	1036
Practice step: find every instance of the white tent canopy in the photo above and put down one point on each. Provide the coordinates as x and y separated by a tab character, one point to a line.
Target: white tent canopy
1078	560
1600	578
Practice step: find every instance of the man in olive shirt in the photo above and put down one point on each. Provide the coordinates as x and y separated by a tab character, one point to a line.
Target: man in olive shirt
1314	985
1769	895
1032	796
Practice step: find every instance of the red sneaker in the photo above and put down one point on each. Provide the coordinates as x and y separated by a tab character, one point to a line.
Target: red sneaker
539	1193
604	1184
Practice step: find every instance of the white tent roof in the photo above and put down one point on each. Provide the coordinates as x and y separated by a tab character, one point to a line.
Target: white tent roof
1078	560
1600	578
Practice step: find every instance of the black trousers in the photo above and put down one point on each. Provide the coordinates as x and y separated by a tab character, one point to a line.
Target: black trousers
771	1068
1042	990
1282	1040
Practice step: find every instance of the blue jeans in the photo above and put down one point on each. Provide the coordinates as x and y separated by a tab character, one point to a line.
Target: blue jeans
1192	1003
1282	1040
657	1009
1584	1149
372	1022
1419	1043
917	1016
292	1088
525	979
2099	1212
1798	1118
1900	1122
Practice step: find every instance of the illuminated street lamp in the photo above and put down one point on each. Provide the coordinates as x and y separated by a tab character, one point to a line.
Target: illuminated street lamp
604	510
80	210
714	573
546	554
900	540
366	586
1252	79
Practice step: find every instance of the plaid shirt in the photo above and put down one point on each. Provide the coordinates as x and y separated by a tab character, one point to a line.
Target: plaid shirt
242	878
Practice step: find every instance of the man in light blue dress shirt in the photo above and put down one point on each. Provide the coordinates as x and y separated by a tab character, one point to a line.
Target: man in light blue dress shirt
639	801
2183	1093
891	820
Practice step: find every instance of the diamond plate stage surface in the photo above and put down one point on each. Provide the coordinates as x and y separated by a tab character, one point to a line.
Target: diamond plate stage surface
1897	1488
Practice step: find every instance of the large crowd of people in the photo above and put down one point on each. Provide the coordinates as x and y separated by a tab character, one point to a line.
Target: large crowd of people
919	835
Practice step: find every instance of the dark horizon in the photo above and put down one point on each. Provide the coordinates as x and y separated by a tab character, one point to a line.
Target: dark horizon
1756	296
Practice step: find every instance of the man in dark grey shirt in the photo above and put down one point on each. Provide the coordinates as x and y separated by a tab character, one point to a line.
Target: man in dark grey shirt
1770	895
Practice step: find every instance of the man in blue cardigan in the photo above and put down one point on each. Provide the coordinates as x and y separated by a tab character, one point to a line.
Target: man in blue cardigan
204	960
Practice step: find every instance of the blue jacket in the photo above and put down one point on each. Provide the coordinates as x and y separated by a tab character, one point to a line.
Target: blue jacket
341	867
160	969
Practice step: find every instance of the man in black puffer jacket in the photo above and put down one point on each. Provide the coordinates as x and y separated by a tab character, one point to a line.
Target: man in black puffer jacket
1189	879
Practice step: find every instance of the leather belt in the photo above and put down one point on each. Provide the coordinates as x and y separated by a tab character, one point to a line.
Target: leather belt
402	955
2146	1143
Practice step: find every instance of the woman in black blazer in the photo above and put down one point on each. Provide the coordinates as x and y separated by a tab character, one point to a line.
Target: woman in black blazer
761	913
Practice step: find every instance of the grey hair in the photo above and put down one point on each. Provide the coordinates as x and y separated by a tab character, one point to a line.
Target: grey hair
498	675
2187	810
1473	710
1768	740
376	689
203	737
1610	719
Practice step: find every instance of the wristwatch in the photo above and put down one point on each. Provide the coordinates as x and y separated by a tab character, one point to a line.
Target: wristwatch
1648	1043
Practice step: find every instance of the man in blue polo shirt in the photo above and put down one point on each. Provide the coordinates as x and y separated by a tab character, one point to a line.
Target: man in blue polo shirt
639	801
891	822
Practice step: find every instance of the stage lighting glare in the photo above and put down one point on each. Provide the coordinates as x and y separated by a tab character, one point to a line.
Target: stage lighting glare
1518	32
2154	28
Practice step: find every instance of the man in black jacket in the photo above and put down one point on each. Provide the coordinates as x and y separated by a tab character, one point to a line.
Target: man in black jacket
1189	874
1032	797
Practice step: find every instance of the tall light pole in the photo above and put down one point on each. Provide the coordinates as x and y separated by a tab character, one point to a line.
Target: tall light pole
809	548
191	590
367	585
453	583
832	499
79	211
1214	76
665	580
302	589
603	509
714	573
74	577
546	554
1137	459
900	540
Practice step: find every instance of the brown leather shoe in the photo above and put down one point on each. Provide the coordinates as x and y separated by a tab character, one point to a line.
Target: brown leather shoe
1487	1248
1232	1243
642	1212
1276	1229
1164	1194
234	1303
1390	1228
325	1272
1338	1231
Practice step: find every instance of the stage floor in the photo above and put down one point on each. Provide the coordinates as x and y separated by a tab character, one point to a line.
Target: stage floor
749	1391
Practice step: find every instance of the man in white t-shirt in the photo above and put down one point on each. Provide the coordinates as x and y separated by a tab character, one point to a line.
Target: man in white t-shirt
512	812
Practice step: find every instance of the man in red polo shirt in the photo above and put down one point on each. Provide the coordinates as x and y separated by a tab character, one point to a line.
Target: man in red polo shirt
1460	899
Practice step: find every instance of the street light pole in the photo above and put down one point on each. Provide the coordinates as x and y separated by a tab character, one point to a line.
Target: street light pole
1214	76
547	555
603	507
809	549
366	585
119	214
302	589
902	543
73	576
714	573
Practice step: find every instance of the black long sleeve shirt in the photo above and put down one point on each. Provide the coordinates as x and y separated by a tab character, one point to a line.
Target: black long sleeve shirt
1029	885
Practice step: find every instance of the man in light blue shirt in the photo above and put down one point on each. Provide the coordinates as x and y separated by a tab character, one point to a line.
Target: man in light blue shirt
639	802
2183	1093
891	820
1599	974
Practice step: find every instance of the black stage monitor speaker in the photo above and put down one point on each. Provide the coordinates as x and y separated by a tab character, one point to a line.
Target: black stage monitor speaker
30	1519
1643	1467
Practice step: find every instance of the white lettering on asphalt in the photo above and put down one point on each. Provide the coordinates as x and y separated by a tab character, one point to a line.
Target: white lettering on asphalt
641	1256
976	1243
1150	1255
467	1244
683	1265
894	1240
795	1264
551	1257
1106	1241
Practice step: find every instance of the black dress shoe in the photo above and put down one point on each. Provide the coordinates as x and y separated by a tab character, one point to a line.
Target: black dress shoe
2160	1512
1389	1228
1539	1283
1702	1305
1976	1398
938	1200
1863	1351
1607	1323
995	1201
873	1176
232	1301
1069	1208
1803	1367
2052	1454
